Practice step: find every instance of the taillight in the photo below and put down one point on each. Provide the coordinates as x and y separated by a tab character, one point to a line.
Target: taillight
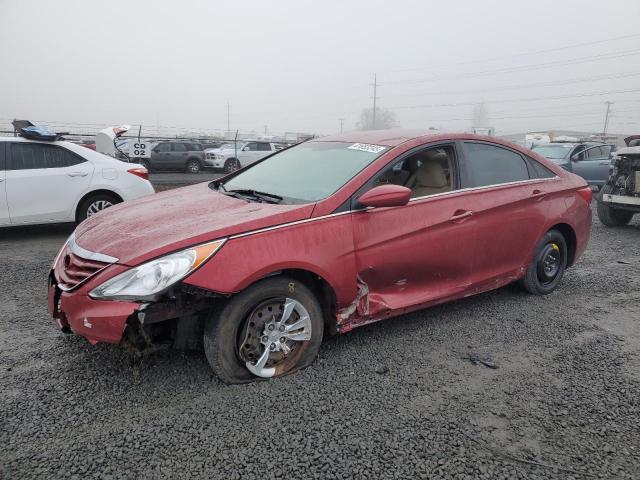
586	194
140	172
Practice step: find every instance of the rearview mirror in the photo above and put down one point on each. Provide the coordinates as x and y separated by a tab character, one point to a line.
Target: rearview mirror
386	196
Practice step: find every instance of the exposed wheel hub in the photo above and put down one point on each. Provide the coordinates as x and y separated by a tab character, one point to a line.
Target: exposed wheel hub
272	331
549	263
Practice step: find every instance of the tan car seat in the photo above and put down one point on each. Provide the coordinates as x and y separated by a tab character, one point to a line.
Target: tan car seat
430	178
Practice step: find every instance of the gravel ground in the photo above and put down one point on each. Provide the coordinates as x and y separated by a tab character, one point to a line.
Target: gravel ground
413	397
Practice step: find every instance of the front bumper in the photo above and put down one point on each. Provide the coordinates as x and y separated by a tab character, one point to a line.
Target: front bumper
214	162
95	320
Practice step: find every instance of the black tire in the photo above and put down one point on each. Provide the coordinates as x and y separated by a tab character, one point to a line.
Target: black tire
231	165
551	250
95	203
610	216
193	166
226	330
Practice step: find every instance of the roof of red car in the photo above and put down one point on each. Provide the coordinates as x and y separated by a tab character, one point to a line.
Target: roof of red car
389	138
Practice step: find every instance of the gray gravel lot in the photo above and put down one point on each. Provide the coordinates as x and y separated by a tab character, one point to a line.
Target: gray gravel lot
563	403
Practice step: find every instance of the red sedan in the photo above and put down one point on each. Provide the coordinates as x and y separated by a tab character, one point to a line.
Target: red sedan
330	234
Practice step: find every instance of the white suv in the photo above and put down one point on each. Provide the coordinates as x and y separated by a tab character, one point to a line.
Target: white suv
232	159
48	182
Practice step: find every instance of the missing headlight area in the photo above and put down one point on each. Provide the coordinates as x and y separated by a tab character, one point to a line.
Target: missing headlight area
177	320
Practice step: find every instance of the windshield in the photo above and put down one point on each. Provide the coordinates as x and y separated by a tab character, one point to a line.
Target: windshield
307	172
557	152
228	146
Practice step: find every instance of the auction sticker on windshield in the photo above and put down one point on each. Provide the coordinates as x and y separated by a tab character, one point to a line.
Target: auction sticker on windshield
366	147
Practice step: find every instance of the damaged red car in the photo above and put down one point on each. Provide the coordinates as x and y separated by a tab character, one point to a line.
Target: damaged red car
321	237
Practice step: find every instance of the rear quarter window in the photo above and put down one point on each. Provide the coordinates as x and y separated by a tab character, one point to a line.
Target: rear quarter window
537	170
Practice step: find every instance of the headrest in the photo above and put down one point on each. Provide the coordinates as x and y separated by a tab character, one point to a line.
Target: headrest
431	174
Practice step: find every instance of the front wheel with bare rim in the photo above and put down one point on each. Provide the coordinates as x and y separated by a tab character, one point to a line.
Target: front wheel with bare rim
272	328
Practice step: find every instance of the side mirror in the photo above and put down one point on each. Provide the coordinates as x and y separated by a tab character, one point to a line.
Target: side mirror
386	196
245	149
575	157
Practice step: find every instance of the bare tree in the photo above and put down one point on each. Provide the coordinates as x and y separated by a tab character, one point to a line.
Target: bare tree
383	119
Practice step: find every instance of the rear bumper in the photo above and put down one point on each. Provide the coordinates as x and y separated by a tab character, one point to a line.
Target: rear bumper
621	200
95	320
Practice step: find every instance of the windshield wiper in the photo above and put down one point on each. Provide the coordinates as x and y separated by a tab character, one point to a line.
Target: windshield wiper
263	196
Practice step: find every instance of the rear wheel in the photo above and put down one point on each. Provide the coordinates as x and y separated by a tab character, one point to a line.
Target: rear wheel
273	328
94	204
231	165
193	166
549	263
610	216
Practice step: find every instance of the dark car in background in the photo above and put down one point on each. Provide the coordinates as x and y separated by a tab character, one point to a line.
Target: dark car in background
180	156
589	160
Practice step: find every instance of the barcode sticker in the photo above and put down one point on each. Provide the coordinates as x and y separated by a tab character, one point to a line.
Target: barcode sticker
366	147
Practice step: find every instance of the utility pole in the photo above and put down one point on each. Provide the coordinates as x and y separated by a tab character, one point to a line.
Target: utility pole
606	119
341	124
375	98
228	122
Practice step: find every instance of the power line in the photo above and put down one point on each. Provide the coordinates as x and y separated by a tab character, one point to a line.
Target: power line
524	54
522	68
519	86
560	97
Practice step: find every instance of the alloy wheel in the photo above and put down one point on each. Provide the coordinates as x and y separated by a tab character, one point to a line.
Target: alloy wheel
273	336
97	206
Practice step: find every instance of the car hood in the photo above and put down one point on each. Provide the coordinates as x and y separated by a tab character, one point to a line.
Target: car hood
151	226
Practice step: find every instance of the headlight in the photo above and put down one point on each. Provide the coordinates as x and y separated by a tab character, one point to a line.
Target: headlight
153	277
218	156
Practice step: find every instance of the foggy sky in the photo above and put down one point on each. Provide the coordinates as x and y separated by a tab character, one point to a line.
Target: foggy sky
301	65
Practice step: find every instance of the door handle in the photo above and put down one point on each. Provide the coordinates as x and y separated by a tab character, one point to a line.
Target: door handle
604	162
460	215
538	194
78	174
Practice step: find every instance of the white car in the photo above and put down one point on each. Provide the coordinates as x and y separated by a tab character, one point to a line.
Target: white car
231	159
49	182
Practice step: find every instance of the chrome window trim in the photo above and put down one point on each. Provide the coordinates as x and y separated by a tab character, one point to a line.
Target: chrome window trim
485	187
531	181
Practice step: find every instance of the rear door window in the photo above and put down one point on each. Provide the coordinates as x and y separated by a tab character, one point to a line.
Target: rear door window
179	147
31	156
487	164
594	153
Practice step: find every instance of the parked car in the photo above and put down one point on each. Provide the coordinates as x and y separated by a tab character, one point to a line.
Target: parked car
231	158
211	145
59	181
589	160
619	199
181	156
336	233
